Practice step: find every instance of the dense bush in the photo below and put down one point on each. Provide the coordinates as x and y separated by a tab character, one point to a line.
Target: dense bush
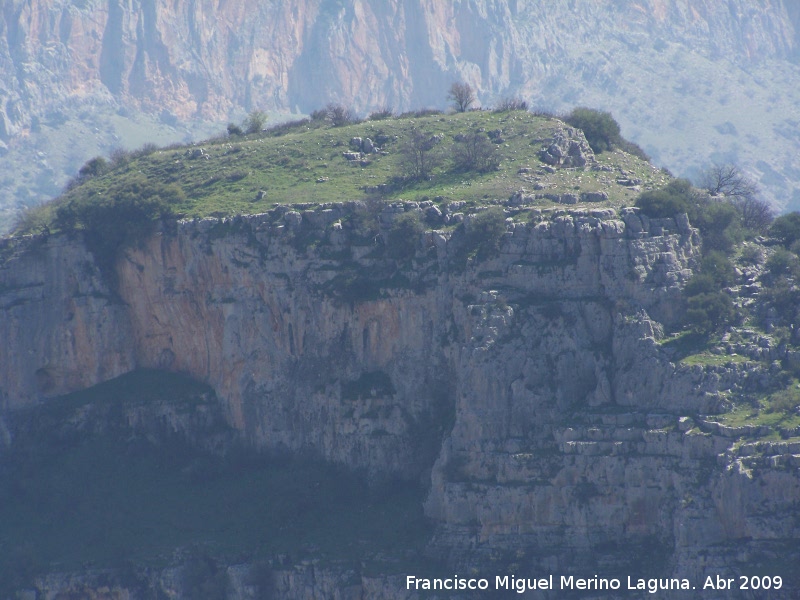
739	191
120	217
786	229
485	232
601	130
783	263
708	312
404	236
509	104
474	152
708	307
719	223
255	121
673	199
94	167
781	300
632	148
419	154
422	112
335	114
382	114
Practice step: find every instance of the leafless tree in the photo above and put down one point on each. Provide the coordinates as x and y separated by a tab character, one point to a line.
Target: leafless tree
474	152
729	181
462	96
509	104
756	213
336	114
339	115
419	154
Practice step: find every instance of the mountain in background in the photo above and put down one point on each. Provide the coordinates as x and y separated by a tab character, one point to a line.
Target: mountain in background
691	81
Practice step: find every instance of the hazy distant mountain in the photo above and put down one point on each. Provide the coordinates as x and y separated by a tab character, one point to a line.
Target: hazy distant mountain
691	81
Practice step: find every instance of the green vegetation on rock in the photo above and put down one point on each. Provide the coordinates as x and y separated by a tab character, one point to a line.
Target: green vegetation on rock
480	156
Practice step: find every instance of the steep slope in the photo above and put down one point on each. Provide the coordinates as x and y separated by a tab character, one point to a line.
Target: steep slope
716	80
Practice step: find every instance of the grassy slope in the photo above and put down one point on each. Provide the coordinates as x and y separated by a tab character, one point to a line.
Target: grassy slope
288	167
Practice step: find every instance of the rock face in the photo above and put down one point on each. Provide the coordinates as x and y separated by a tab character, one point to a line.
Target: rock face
528	388
199	59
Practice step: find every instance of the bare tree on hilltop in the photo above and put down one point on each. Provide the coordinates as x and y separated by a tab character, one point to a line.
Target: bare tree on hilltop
729	181
461	96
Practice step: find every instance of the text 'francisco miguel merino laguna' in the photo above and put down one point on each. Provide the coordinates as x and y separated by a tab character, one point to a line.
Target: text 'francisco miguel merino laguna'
524	584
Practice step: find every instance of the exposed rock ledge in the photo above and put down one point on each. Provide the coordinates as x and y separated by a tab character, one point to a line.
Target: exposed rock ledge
529	388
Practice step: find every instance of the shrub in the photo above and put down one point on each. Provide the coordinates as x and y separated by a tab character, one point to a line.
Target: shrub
632	148
255	121
203	578
784	298
234	130
419	154
751	256
708	307
786	229
729	181
485	232
339	115
121	217
422	112
474	152
784	401
709	311
718	266
756	214
719	224
601	130
509	104
404	235
663	203
382	114
335	114
365	222
700	283
94	167
287	127
783	263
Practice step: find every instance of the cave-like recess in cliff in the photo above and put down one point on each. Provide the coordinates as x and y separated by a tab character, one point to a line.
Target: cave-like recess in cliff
105	477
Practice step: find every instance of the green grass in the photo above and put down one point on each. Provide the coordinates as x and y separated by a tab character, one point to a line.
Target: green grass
709	359
291	167
777	410
107	498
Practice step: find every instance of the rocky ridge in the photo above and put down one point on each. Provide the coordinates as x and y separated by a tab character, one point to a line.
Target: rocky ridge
529	389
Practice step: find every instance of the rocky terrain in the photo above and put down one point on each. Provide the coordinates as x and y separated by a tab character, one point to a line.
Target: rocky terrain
529	392
688	79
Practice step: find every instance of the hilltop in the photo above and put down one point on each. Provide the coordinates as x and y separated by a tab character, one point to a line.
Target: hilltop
313	161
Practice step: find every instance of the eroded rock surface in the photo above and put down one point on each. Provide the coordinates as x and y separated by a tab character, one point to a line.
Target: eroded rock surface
529	389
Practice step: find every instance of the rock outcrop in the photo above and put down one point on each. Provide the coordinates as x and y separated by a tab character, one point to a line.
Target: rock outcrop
528	388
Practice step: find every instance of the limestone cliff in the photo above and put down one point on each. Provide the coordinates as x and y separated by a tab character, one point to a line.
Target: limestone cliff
527	388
